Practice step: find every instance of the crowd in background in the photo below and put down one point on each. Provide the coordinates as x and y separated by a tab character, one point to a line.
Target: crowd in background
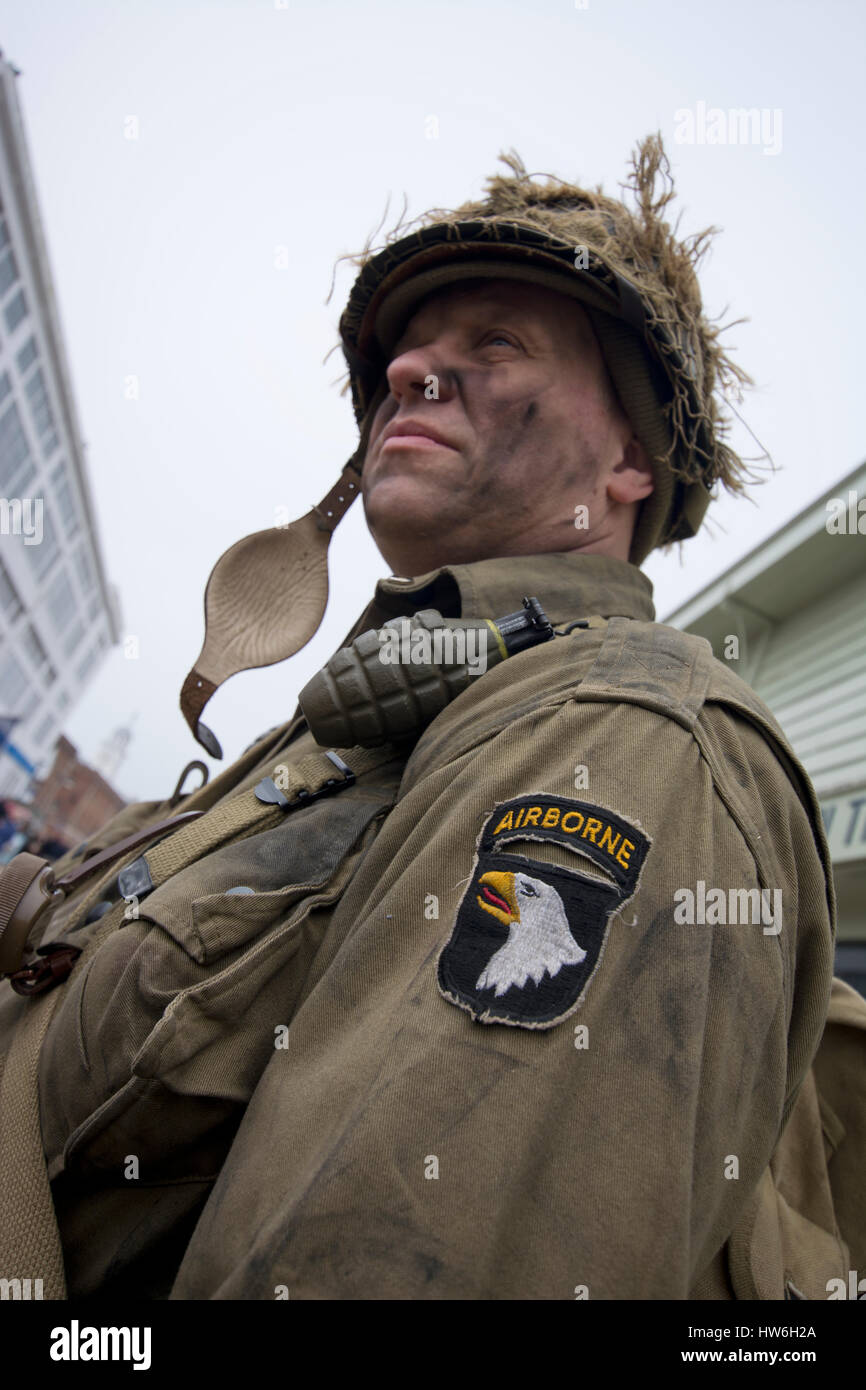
19	832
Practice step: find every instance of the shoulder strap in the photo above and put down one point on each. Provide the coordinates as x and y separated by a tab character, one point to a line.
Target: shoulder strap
29	1239
290	785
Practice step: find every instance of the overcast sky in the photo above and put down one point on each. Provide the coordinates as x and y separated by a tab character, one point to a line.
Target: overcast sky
266	124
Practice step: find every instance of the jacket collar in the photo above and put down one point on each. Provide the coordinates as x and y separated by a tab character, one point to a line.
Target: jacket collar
568	585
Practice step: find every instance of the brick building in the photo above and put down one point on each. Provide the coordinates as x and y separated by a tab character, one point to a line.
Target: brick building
74	800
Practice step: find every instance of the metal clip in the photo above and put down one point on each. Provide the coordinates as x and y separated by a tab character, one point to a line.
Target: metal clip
38	976
196	766
333	784
268	792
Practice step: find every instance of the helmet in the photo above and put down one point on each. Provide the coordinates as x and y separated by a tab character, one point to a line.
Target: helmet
638	285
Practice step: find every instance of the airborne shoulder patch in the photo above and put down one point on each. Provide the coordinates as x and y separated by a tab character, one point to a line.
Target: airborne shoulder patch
528	935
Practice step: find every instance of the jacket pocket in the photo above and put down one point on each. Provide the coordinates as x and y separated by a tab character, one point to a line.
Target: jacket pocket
219	923
225	900
204	1052
188	991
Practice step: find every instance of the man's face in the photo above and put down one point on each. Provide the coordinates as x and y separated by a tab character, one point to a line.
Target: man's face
511	379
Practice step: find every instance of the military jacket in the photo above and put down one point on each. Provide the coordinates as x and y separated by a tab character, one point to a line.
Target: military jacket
523	1013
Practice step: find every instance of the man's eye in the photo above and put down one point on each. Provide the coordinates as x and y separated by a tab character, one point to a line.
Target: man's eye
496	336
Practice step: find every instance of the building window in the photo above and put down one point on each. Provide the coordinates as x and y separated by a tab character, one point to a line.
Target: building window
8	271
32	644
15	311
14	450
9	600
15	695
27	355
63	608
43	556
84	569
61	601
84	666
5	386
66	500
40	408
73	637
44	731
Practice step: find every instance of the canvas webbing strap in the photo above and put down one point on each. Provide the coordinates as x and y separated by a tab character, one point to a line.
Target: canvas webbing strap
29	1239
297	782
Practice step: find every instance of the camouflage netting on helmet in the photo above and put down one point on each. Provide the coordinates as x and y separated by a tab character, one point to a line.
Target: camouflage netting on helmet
626	244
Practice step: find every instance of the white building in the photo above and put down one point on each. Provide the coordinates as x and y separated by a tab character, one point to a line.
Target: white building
58	613
795	610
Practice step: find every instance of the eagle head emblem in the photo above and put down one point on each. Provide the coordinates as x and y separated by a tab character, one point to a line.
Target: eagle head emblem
539	937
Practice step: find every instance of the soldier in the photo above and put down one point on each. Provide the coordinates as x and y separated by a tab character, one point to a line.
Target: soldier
492	974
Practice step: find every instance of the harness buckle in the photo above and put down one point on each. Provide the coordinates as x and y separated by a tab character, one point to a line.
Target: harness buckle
38	976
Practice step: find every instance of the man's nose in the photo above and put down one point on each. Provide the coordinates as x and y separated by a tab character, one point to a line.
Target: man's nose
419	372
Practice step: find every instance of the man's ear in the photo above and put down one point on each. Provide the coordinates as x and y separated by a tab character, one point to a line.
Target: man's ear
631	480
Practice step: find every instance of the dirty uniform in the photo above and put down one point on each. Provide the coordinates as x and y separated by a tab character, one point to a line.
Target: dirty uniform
520	1014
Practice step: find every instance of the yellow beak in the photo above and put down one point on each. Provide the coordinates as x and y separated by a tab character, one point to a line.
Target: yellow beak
497	897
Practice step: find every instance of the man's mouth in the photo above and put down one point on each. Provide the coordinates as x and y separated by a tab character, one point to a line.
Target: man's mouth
413	441
412	434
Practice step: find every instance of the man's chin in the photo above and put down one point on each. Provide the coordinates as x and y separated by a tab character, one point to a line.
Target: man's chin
407	554
400	510
411	542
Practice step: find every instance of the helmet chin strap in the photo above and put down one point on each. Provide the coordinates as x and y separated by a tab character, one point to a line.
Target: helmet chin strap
265	599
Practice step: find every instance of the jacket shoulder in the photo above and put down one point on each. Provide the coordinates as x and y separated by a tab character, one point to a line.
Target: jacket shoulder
677	673
664	668
621	660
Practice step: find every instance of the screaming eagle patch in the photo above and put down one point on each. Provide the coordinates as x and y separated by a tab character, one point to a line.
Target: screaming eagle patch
528	935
